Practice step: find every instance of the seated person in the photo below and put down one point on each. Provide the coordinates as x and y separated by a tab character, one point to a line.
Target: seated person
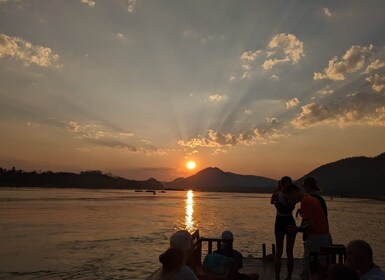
359	255
226	261
174	259
172	262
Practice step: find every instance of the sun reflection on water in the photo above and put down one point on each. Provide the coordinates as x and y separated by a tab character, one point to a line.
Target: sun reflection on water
189	210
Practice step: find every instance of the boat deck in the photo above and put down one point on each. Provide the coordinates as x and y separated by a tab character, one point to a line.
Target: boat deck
265	268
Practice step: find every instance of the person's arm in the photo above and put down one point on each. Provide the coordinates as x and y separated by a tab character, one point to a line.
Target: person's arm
274	197
307	215
307	218
298	213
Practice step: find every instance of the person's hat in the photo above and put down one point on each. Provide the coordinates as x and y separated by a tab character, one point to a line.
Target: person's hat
311	183
227	235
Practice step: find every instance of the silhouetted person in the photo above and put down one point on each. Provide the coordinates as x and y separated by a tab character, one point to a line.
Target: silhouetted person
342	272
314	223
232	260
359	255
173	269
311	187
172	263
283	220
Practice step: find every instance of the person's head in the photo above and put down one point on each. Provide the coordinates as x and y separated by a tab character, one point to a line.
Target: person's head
172	259
359	255
182	240
285	181
310	185
342	272
228	239
293	193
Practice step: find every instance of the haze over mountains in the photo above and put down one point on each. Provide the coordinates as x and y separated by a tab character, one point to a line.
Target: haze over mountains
356	176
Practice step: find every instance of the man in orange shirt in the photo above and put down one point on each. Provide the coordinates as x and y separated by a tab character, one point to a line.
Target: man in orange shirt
314	223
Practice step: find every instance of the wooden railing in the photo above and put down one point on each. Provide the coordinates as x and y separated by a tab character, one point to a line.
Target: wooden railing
335	253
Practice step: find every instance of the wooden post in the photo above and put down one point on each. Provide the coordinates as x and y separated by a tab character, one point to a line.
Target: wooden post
210	248
273	249
219	245
264	250
341	258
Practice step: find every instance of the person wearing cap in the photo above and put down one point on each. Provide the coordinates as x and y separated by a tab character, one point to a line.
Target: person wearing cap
228	251
231	259
314	223
311	187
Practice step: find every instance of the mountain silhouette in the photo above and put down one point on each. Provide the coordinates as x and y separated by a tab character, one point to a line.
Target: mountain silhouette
355	176
85	179
214	179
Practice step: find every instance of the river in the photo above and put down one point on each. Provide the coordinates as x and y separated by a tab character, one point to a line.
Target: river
118	234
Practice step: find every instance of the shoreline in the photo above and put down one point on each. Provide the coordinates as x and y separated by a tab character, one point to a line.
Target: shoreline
331	196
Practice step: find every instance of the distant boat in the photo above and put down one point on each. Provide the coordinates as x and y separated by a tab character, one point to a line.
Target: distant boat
162	191
151	191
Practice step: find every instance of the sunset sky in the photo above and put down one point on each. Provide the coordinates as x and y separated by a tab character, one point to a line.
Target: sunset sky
140	87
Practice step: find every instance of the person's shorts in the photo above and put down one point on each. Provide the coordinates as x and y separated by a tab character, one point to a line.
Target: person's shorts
282	223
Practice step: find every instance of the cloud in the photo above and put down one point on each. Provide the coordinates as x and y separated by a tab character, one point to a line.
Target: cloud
26	52
222	142
288	44
217	97
353	109
203	38
326	91
270	63
377	82
131	6
375	65
213	38
292	103
88	2
272	121
119	35
248	58
352	61
281	48
88	131
274	77
327	12
102	136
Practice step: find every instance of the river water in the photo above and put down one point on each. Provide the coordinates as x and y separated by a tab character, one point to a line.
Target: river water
118	234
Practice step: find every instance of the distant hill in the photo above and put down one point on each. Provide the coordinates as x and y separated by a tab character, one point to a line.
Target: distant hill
85	179
356	176
214	179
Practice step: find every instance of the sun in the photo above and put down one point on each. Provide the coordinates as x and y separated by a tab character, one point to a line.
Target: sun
191	165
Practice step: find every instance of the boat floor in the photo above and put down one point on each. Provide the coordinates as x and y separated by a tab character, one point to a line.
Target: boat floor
265	268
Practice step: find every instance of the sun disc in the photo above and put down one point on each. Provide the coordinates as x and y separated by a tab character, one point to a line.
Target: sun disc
191	165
